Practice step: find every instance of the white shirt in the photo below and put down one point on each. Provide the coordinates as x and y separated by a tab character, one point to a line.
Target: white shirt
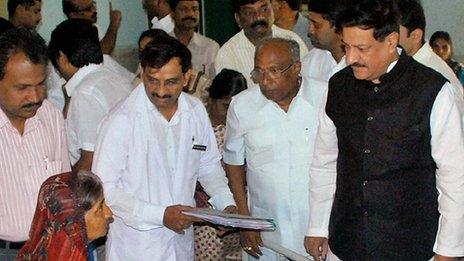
426	56
447	144
147	164
204	51
166	23
301	29
55	82
278	149
320	64
27	160
238	53
94	90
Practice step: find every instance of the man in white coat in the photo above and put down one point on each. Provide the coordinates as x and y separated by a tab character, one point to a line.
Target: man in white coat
151	151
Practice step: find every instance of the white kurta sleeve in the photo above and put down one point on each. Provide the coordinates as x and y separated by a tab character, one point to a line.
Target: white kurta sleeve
109	163
447	144
322	176
211	175
234	143
86	115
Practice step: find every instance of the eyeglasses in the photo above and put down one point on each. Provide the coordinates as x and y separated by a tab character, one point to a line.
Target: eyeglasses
274	73
89	8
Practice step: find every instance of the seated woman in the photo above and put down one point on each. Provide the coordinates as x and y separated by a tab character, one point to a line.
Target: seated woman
209	245
71	212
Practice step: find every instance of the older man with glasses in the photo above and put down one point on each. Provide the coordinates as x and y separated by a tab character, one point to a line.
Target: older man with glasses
270	132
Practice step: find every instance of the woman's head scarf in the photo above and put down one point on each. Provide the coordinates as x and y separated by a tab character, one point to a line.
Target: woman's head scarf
58	229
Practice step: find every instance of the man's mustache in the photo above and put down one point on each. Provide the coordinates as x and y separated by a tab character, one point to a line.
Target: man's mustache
167	96
358	65
259	23
193	19
31	105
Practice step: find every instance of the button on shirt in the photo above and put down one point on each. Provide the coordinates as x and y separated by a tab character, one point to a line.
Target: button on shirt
25	162
447	151
321	65
277	148
238	53
147	164
94	90
204	51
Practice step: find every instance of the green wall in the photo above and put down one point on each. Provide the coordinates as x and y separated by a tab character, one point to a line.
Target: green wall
219	22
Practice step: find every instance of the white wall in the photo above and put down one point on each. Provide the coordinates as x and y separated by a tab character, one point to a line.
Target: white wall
446	15
133	22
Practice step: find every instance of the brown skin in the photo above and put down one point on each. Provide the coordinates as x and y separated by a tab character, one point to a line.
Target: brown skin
186	18
27	17
22	89
411	42
285	17
324	36
368	57
164	86
256	20
84	162
217	110
97	220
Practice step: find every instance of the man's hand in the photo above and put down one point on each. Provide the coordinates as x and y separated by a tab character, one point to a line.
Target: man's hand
175	220
317	247
223	230
444	258
115	17
251	241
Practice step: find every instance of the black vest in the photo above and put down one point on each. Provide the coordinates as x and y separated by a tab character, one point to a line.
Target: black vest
385	205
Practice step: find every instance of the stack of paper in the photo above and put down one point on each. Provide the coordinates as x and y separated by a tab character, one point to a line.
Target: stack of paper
231	220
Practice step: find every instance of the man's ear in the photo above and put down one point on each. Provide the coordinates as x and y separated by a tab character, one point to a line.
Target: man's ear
237	20
187	77
393	41
417	35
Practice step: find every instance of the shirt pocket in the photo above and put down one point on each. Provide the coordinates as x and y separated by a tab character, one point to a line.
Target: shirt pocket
260	147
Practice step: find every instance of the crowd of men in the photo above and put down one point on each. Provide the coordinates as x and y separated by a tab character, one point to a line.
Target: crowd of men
355	148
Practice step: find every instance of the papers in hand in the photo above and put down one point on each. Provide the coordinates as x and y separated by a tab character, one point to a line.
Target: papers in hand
231	220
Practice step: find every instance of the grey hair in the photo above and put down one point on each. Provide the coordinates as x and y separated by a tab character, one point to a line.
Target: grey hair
292	44
88	189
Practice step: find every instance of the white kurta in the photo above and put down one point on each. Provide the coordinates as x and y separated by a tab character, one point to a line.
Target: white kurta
321	65
147	164
278	148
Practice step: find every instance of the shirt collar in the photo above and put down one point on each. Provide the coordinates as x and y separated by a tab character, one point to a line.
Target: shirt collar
30	123
195	40
423	53
166	23
79	76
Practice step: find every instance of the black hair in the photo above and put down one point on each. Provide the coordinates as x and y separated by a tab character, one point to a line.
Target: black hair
87	189
173	3
440	34
227	83
78	40
69	7
412	15
13	4
236	4
294	4
380	15
330	10
159	52
20	40
153	34
5	25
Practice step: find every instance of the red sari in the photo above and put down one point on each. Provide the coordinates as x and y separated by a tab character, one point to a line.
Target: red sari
58	228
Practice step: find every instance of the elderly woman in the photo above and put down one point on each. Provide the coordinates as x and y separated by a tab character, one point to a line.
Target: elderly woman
71	212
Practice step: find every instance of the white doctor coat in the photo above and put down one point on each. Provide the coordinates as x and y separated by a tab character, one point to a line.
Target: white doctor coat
143	174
